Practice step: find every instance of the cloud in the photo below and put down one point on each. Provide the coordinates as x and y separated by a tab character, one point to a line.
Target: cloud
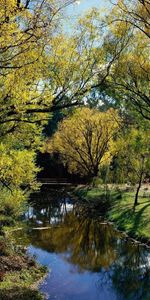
78	2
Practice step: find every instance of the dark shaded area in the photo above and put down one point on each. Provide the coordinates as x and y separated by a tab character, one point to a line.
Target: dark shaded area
51	167
20	294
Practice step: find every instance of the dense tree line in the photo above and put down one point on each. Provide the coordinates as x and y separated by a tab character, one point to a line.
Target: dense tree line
104	63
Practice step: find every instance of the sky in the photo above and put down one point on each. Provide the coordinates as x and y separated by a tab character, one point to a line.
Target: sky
80	8
83	5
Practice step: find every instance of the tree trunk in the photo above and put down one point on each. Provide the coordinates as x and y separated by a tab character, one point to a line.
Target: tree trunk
95	172
137	191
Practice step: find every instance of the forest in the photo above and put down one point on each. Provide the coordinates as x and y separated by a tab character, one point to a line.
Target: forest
74	104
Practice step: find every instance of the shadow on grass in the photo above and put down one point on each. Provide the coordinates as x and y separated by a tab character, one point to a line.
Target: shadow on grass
20	293
117	206
143	202
98	202
139	221
132	221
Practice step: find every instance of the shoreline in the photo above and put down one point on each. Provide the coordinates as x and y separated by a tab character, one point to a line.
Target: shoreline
92	197
25	279
20	274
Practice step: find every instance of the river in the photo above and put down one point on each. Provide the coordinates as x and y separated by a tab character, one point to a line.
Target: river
86	258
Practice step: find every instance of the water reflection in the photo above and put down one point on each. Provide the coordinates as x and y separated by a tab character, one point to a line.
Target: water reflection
89	260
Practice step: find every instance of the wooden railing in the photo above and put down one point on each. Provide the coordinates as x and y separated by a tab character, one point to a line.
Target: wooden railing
54	181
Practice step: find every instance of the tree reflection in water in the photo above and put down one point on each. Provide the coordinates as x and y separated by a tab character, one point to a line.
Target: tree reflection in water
90	245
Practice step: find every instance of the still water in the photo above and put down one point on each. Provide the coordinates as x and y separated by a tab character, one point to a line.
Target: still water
86	258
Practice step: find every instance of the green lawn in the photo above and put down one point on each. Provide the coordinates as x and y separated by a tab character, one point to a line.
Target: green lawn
135	223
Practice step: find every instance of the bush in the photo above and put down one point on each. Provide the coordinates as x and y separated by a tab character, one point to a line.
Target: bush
12	203
96	182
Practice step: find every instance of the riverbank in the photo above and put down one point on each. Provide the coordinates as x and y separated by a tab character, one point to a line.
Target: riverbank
20	274
118	202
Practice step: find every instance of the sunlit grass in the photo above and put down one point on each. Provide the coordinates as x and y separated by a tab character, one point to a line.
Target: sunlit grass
135	223
22	284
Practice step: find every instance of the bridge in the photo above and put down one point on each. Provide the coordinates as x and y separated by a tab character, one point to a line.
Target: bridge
54	181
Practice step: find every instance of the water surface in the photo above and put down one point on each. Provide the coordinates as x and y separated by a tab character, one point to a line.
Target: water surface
87	259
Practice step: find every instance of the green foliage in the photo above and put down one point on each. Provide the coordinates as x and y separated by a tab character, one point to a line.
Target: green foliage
24	279
6	246
125	52
133	154
43	70
17	285
128	82
96	182
17	170
12	203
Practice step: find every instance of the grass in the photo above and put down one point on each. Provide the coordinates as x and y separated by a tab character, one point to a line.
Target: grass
119	204
21	284
19	273
135	223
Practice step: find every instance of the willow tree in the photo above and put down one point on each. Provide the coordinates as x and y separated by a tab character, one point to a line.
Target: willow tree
128	81
26	31
130	77
85	140
136	13
42	70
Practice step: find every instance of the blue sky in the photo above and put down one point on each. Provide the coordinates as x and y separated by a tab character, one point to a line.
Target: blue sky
84	5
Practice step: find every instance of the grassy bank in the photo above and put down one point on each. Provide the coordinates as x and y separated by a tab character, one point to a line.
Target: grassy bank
20	284
119	203
19	273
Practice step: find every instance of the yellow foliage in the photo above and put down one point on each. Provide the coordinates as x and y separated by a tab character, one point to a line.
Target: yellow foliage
24	34
84	140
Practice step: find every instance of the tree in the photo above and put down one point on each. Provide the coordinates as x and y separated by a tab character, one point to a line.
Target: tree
84	140
136	13
50	71
134	157
26	30
130	77
42	70
128	81
126	85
